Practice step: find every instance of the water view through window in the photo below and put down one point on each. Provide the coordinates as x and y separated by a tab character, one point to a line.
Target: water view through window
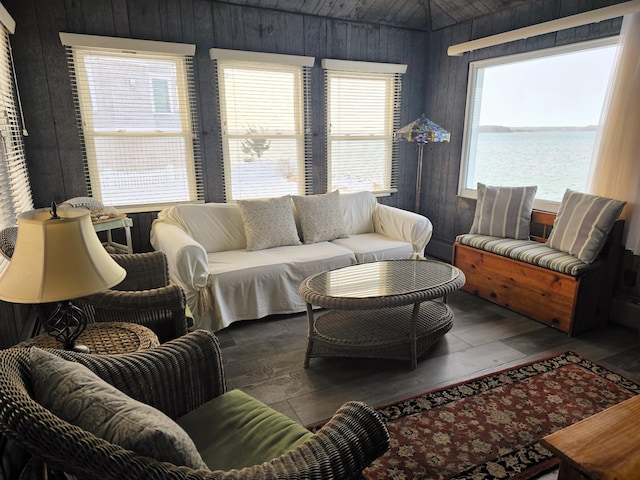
532	119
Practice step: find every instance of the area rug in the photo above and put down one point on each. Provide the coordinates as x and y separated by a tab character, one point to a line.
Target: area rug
490	427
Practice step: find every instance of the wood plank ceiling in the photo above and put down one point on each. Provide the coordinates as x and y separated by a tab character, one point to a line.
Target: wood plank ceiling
426	15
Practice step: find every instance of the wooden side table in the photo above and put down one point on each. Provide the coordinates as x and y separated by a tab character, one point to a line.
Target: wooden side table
605	446
107	338
119	222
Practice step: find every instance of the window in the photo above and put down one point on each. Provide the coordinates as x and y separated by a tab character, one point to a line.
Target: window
531	119
265	118
15	190
363	111
135	103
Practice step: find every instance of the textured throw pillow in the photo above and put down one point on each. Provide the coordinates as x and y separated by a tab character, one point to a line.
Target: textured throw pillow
320	217
268	223
77	395
504	211
583	223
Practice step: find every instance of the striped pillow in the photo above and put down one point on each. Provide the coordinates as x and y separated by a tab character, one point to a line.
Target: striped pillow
583	223
504	211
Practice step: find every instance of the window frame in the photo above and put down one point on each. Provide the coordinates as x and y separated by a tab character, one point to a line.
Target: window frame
474	66
180	55
300	67
392	73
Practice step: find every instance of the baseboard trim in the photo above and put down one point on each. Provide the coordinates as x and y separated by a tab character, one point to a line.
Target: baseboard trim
440	248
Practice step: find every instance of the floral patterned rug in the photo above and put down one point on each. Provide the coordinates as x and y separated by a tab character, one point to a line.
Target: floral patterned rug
490	427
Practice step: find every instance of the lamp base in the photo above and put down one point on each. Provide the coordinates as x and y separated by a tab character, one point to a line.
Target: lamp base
65	324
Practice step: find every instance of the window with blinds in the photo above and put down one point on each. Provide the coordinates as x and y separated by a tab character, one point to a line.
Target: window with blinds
363	111
265	118
15	193
136	108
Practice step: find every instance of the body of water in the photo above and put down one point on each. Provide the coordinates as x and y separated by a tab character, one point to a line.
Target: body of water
552	160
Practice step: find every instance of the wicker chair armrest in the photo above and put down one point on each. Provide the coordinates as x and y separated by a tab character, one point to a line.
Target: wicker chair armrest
344	446
161	309
170	297
176	377
144	270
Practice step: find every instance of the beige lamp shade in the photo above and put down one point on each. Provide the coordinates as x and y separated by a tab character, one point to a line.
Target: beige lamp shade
57	259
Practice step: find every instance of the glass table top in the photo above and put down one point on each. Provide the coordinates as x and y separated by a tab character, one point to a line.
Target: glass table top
380	279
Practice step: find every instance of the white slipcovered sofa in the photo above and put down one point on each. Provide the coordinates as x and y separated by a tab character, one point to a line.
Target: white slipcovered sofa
218	252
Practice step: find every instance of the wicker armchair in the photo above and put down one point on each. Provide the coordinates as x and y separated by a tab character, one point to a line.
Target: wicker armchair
144	297
342	448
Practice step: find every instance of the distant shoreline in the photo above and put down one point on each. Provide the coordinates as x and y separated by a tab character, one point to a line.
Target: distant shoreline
502	129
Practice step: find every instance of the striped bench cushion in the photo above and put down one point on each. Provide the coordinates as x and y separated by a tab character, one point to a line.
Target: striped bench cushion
529	251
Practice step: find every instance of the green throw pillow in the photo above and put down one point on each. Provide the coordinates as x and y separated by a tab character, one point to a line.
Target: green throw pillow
77	395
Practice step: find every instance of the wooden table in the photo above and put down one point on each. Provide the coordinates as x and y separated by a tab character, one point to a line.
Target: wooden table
387	309
605	446
105	338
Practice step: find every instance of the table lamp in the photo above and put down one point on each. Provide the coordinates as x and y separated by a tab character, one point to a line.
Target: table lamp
421	131
58	257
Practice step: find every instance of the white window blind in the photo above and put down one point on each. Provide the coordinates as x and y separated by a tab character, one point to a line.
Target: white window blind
363	111
265	118
15	193
136	110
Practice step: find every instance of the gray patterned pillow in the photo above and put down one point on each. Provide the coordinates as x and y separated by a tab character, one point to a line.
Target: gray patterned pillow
77	395
583	223
268	223
504	211
320	217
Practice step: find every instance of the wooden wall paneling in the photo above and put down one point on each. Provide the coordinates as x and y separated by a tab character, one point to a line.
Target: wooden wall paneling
356	42
170	21
294	28
251	29
315	45
75	19
187	21
98	18
337	40
375	51
270	30
144	19
46	176
52	19
205	34
120	18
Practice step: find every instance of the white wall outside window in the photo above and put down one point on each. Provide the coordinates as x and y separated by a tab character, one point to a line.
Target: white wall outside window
531	119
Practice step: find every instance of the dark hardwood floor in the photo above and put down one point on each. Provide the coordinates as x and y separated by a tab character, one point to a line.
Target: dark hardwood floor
265	359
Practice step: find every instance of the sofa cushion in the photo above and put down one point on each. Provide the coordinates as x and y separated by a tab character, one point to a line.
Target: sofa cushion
235	430
77	395
583	223
503	211
357	210
528	251
268	222
373	247
320	217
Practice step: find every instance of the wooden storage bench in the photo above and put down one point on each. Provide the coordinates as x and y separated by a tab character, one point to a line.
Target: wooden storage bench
561	292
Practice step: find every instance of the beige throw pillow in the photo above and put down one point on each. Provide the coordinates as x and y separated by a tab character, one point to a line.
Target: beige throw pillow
320	217
268	223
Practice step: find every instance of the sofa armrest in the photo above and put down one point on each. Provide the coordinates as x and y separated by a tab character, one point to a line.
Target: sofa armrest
403	225
187	259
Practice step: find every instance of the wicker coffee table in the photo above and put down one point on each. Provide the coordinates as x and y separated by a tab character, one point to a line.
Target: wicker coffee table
389	309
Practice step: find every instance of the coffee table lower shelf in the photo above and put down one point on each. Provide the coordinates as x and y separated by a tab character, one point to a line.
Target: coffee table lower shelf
379	333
